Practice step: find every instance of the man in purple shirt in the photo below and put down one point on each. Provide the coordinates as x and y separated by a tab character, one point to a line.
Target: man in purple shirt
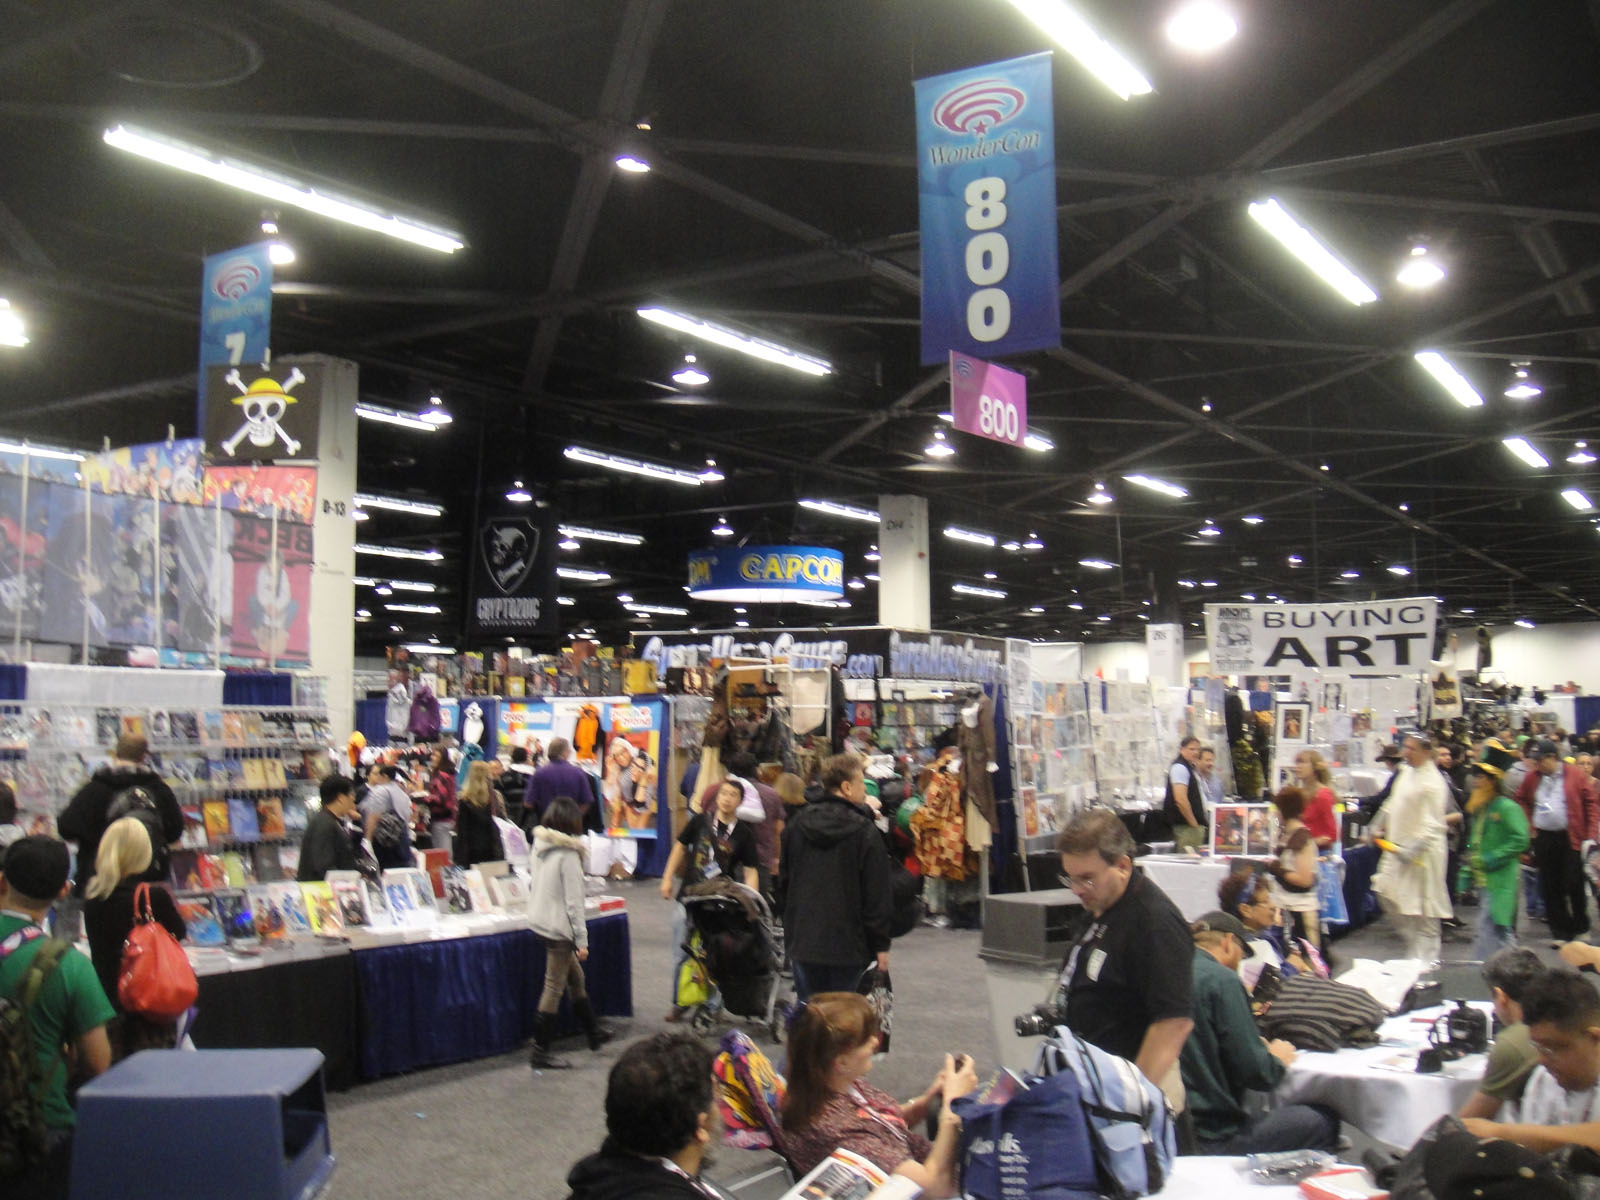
557	777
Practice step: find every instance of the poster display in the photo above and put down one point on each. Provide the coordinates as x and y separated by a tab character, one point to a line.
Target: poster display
630	777
161	470
271	590
289	493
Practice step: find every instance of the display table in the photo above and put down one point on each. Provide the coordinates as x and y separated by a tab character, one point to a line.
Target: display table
1189	882
1393	1107
453	999
462	989
1222	1178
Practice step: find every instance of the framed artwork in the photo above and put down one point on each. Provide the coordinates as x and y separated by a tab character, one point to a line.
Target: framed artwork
1242	831
1294	722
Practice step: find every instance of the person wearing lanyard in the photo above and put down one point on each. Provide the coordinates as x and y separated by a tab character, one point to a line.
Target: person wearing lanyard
1561	1102
659	1124
1127	980
1562	807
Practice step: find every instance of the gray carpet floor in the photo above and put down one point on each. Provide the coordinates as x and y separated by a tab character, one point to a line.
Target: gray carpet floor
494	1128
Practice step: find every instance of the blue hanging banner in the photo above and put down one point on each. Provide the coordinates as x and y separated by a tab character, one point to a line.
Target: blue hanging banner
986	192
235	311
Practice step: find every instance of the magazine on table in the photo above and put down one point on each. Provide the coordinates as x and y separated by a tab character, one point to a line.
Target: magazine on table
846	1176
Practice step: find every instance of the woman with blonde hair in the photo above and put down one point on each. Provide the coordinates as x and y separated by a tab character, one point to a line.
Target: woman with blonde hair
1315	781
477	839
829	1104
108	918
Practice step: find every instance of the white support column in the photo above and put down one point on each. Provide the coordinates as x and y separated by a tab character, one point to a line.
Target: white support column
333	593
903	589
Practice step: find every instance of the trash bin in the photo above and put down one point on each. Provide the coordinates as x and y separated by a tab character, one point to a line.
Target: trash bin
194	1125
1025	939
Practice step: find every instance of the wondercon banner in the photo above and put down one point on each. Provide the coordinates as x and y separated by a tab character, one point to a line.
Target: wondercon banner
235	310
988	401
986	193
1381	637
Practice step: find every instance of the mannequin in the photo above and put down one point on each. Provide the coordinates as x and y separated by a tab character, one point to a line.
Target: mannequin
975	740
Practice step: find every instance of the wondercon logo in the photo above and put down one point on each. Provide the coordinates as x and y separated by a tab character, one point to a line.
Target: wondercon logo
977	107
962	367
236	278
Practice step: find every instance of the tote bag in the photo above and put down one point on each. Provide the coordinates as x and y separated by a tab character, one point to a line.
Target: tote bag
155	980
1031	1143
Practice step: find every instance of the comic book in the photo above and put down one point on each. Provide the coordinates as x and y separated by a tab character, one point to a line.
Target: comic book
267	913
238	922
322	909
199	913
351	899
293	907
269	813
242	820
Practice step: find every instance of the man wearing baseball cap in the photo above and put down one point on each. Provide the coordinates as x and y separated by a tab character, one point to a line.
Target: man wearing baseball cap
1224	1056
65	1004
1564	809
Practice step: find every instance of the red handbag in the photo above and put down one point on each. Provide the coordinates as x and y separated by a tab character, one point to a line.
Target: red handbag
156	980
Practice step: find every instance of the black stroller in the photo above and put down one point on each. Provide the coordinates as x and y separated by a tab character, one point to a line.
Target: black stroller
734	940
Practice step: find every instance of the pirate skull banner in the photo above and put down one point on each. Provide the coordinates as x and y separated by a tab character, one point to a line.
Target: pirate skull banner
262	414
513	577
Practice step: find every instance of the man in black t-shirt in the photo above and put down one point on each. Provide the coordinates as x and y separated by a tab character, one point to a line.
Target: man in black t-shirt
1127	980
712	844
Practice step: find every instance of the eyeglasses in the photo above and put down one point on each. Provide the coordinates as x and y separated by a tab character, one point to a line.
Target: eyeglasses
1081	883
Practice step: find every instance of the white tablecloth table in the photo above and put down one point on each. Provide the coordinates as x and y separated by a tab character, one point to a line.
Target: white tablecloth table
1204	1178
1189	882
1391	1107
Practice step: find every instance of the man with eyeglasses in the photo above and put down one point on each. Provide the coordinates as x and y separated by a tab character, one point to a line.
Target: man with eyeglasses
1127	979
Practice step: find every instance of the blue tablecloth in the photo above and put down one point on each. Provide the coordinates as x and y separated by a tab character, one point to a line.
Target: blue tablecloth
430	1003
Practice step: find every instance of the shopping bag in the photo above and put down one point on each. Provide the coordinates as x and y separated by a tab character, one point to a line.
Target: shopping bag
1330	893
693	986
155	979
1026	1138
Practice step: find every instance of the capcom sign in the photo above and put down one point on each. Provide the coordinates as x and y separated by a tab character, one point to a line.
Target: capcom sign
767	574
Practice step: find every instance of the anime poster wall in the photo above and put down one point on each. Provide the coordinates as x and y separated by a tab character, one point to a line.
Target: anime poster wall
159	470
271	591
23	536
290	493
631	771
193	592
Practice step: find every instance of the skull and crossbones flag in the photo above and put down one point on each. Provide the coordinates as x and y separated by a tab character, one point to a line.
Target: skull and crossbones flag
260	414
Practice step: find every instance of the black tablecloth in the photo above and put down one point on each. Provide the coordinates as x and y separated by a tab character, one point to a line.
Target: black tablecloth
298	1002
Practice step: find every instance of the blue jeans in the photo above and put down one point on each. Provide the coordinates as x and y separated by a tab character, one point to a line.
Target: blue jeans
1290	1127
1491	937
810	978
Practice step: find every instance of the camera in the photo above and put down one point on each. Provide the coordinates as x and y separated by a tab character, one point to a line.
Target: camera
1039	1021
1462	1031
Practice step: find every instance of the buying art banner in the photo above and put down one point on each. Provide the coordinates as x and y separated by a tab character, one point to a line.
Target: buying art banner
1377	637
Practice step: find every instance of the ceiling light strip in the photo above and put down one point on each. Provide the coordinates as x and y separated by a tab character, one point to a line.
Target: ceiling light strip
732	339
1153	484
585	534
632	466
399	552
391	416
420	508
975	537
1312	251
835	509
1069	30
1452	380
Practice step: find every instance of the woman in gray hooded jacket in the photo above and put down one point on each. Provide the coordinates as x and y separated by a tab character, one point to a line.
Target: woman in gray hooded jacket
555	911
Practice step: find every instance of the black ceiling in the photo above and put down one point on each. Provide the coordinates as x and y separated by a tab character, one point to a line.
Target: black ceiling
783	200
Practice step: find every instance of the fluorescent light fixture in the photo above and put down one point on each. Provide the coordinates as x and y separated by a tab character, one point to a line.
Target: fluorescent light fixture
1580	456
1033	543
722	528
956	533
1209	530
1247	595
363	614
1103	617
1037	608
856	585
12	332
357	515
1295	560
1077	37
1399	569
1577	499
873	555
1522	387
1524	450
1097	564
972	589
1205	583
711	474
420	508
1153	484
567	543
518	494
1467	612
363	581
632	466
1452	380
1419	271
38	451
690	377
1075	606
391	416
1349	574
659	610
1201	26
1100	495
585	534
741	624
732	339
632	165
1253	520
281	254
1523	623
412	585
399	552
990	575
872	575
582	575
429	609
1012	546
429	648
1187	583
565	601
939	447
272	184
1311	251
1035	440
436	413
835	509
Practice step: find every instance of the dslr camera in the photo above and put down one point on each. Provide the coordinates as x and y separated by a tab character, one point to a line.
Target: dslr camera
1039	1021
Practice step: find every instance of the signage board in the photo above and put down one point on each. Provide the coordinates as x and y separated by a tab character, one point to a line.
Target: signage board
766	574
987	400
1376	637
513	590
235	309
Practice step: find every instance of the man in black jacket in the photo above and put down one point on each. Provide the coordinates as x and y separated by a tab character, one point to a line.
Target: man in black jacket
329	844
84	819
836	895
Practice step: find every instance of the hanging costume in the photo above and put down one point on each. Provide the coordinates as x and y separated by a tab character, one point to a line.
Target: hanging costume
938	828
975	740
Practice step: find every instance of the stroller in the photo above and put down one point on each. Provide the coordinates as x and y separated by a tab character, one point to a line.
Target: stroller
733	940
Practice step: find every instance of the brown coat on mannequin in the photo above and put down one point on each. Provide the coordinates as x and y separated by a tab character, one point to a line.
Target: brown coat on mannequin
977	752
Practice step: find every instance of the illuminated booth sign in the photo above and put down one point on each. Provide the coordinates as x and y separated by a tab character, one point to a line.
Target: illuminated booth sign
766	574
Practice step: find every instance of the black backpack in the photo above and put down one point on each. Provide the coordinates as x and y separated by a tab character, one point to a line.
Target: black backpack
139	802
22	1129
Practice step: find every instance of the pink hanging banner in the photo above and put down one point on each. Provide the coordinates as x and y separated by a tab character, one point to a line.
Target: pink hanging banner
987	400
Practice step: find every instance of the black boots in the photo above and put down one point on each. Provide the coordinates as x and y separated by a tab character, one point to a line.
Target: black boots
597	1033
542	1058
